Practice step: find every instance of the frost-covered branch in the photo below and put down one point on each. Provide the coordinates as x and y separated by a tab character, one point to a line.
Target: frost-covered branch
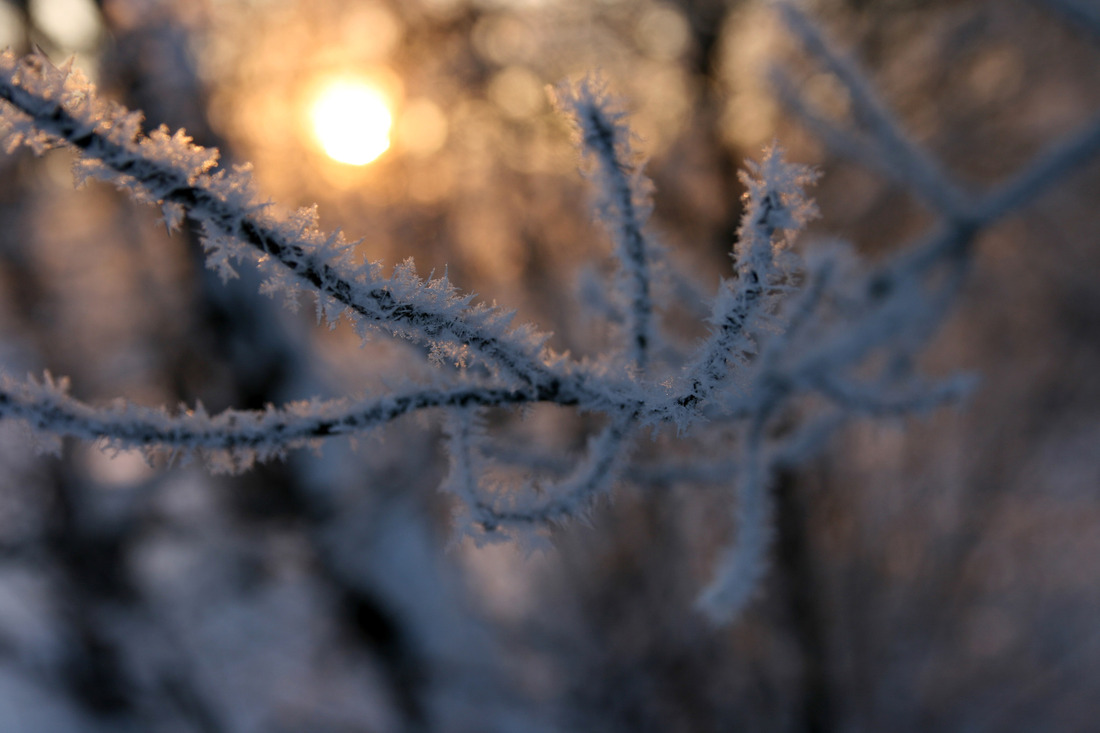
898	154
47	407
51	106
743	563
622	201
829	331
495	512
775	207
1048	169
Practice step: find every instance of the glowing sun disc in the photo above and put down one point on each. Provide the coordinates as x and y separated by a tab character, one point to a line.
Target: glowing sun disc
352	122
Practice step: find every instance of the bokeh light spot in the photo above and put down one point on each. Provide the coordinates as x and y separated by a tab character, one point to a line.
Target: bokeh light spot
518	92
663	33
351	121
11	26
72	24
422	127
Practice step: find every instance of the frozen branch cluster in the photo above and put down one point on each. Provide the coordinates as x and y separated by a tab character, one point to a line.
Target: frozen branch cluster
784	334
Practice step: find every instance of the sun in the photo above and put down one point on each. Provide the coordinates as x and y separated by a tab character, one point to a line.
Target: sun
351	121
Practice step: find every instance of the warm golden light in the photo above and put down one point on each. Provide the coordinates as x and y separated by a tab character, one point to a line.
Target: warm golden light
352	122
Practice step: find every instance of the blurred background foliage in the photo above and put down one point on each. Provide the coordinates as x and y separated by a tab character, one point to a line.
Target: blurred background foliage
936	573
